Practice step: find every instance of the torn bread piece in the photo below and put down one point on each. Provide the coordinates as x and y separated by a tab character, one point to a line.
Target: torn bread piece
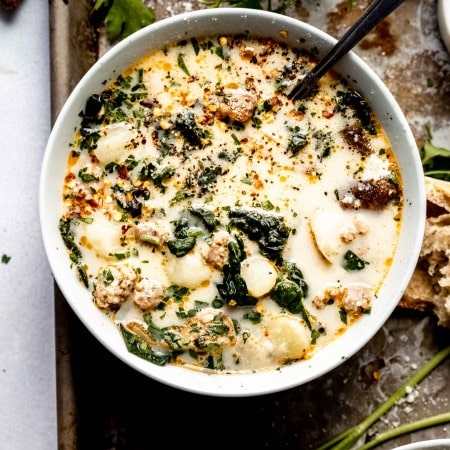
429	288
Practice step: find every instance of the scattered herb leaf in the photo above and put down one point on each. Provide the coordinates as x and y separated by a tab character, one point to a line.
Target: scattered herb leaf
122	17
5	259
435	160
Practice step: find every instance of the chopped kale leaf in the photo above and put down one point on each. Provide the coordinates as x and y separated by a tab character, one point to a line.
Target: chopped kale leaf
187	126
233	288
354	100
138	347
185	237
353	261
132	206
297	141
207	216
269	231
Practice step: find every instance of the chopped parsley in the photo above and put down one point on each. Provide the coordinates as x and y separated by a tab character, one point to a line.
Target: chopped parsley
5	259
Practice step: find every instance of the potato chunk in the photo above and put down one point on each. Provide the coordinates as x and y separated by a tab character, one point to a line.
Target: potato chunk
115	143
323	225
189	271
289	336
103	236
259	274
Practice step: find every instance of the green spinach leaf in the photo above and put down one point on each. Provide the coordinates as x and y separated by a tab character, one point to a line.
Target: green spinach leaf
123	17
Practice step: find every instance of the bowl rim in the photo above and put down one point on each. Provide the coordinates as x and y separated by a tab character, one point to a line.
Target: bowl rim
443	12
234	385
437	444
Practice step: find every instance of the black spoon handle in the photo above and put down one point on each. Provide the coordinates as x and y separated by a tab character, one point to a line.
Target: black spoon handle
374	14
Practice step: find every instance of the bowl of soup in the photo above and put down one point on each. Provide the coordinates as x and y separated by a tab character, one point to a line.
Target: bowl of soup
214	234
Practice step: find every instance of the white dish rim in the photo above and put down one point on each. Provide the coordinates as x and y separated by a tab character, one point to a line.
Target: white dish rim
443	13
437	444
237	384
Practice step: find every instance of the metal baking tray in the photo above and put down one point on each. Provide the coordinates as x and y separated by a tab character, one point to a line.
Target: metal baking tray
103	404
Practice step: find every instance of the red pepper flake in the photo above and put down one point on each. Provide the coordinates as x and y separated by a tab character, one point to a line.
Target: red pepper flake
123	172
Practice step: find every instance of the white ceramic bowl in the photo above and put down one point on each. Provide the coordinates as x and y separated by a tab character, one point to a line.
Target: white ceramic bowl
433	444
224	21
443	12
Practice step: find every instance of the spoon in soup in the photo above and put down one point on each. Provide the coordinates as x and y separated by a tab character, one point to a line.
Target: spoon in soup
372	16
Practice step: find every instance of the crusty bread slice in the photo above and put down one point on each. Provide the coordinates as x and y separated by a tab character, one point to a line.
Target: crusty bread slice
429	288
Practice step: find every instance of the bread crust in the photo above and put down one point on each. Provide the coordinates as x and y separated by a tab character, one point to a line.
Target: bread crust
429	287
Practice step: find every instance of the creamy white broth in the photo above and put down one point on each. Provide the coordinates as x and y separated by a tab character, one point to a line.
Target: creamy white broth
206	126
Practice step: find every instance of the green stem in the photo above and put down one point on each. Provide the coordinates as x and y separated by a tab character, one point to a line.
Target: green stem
351	436
329	444
408	428
438	173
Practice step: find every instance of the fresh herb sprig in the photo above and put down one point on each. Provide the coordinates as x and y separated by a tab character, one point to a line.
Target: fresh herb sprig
435	160
122	17
407	428
347	439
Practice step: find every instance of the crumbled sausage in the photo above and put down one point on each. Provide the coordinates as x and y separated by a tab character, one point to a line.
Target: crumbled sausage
354	136
356	298
151	233
353	298
209	330
216	253
114	285
358	226
327	298
147	294
235	104
374	194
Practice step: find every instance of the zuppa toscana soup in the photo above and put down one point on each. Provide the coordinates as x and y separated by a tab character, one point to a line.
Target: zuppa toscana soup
220	225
